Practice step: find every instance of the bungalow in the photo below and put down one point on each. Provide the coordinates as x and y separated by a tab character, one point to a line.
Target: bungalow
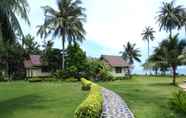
35	68
119	66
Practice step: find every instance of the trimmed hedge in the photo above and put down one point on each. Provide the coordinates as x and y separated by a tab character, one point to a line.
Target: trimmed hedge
86	85
91	107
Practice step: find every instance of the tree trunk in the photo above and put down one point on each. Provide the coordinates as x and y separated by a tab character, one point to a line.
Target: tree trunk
63	48
129	74
174	75
170	33
148	56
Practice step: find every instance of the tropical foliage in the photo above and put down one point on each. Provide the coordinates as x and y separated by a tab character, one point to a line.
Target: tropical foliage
66	22
178	102
131	54
171	17
167	55
148	35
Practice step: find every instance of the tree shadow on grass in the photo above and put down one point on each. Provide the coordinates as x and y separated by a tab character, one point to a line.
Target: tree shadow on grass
27	102
162	84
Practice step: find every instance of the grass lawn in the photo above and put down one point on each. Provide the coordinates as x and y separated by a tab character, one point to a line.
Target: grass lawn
39	100
147	98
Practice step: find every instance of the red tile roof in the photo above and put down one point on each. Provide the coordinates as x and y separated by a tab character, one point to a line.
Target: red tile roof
34	60
115	61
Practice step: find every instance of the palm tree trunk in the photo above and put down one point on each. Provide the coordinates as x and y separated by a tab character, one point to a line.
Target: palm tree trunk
63	48
170	33
148	55
174	74
129	74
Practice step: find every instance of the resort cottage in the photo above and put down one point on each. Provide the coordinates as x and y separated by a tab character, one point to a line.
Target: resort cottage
35	67
119	66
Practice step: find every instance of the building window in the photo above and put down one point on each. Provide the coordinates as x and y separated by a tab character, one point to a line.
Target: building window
118	70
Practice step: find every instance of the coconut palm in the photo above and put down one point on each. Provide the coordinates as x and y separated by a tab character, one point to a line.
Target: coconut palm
148	35
9	24
170	50
170	17
66	22
183	56
131	54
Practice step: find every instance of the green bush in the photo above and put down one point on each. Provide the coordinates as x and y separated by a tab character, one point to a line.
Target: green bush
35	80
178	102
59	74
86	85
105	75
92	105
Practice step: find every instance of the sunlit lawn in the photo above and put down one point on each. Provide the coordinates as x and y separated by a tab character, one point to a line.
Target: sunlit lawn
147	97
39	100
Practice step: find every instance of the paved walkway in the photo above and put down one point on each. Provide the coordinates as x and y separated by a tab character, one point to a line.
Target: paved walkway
114	106
183	86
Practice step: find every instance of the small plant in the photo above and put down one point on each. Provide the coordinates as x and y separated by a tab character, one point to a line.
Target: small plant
178	102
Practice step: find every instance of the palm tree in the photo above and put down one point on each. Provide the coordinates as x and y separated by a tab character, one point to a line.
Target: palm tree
183	56
170	17
31	46
170	50
148	35
65	22
131	54
10	28
9	24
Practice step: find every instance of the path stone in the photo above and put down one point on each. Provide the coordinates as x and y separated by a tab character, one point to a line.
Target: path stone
114	106
183	86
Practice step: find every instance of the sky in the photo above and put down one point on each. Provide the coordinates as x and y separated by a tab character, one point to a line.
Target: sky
110	24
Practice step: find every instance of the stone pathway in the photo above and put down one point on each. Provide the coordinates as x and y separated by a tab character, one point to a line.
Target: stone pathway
114	106
183	86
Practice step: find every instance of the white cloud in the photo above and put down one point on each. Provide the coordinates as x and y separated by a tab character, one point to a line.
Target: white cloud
121	21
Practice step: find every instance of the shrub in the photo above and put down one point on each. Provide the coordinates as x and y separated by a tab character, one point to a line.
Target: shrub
178	102
106	75
19	76
86	85
35	80
59	74
92	105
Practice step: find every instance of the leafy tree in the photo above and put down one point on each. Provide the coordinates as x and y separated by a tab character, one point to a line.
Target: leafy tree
51	56
75	59
65	22
170	16
11	59
131	54
98	70
30	45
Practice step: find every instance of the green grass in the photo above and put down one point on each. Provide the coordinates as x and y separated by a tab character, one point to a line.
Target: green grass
39	100
147	97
